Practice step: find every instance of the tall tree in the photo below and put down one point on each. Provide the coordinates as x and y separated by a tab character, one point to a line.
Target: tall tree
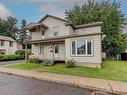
9	27
106	12
23	31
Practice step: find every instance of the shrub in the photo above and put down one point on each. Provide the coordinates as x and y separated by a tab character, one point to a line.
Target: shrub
69	63
34	60
47	62
9	57
20	54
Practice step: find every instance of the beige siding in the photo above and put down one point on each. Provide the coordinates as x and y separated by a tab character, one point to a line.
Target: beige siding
65	47
62	51
35	50
89	30
9	50
47	51
51	23
94	59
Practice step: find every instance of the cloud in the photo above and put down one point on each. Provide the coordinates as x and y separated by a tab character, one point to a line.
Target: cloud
4	12
56	7
70	2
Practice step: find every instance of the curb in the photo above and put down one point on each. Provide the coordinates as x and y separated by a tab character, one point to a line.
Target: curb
90	88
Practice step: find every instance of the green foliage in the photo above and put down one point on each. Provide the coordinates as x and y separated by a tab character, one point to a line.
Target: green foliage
23	31
112	18
47	62
112	70
9	57
20	53
69	63
8	27
25	66
35	60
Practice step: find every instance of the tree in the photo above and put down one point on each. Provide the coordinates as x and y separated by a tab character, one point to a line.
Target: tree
112	18
23	31
24	34
9	27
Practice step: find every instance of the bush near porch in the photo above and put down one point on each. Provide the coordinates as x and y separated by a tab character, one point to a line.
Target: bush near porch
112	70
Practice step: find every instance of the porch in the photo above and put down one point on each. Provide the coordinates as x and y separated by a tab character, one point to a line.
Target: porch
52	50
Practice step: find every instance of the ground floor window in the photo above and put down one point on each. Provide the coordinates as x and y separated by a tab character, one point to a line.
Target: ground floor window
81	47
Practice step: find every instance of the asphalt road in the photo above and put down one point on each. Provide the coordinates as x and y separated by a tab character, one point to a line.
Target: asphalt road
15	85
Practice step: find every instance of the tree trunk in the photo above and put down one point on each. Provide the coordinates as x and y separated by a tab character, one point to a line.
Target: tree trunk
26	54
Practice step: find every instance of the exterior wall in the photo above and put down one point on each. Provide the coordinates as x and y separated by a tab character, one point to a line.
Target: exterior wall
88	30
9	50
48	51
93	60
51	22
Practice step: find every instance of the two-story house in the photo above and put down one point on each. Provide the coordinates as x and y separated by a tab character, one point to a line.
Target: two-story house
8	45
57	39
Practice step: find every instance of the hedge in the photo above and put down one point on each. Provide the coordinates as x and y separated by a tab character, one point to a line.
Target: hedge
10	57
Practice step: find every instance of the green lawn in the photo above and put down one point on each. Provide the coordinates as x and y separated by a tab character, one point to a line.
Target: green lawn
114	70
25	66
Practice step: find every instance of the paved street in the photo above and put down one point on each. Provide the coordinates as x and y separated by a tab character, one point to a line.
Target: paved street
15	85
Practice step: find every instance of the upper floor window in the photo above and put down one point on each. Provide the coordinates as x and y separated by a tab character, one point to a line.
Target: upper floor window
81	47
55	30
2	42
43	33
11	43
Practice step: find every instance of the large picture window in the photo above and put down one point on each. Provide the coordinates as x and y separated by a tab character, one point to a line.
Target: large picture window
81	47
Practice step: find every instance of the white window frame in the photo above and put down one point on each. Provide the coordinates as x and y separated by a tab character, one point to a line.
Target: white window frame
86	53
54	28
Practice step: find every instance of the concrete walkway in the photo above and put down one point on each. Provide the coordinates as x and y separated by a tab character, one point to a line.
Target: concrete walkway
113	87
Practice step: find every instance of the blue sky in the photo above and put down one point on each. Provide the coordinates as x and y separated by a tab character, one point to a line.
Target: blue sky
33	10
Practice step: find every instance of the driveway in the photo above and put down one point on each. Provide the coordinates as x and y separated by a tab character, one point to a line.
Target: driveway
15	85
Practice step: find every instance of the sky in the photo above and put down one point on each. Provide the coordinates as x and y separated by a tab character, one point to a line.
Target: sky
33	10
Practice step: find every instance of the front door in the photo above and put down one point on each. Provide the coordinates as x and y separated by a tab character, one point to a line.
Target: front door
56	51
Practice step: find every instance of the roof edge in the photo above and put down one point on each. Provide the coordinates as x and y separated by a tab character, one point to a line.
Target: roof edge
88	25
52	17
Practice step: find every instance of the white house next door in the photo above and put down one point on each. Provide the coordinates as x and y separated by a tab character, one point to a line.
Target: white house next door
56	51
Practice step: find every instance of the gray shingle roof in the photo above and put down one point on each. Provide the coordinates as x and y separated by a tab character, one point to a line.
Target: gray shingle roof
6	38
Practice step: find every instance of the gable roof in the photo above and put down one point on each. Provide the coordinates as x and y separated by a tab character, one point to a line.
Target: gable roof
6	38
42	19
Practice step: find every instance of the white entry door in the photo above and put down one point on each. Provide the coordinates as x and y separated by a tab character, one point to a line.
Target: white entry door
56	51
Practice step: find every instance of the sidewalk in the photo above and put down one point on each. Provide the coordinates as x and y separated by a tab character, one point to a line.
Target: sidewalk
110	86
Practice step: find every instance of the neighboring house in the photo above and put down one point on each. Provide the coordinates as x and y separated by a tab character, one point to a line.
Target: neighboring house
8	45
57	39
123	56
